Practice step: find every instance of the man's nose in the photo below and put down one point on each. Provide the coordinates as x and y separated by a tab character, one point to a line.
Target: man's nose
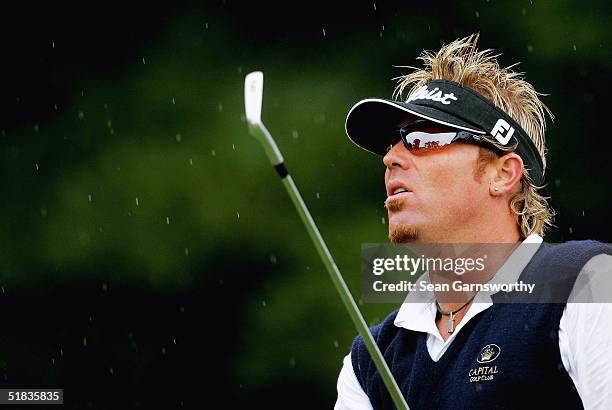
397	157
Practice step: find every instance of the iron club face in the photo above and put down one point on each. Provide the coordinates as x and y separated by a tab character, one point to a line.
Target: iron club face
253	97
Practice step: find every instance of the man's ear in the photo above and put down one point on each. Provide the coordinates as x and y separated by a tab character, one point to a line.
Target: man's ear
508	173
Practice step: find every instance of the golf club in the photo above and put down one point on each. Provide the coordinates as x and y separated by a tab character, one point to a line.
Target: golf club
253	97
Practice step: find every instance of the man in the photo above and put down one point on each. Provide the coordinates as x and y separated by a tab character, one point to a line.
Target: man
465	158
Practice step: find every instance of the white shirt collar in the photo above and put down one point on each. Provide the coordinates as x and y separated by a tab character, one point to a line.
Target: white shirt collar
418	312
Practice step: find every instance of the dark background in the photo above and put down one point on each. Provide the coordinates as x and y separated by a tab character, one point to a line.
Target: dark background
149	255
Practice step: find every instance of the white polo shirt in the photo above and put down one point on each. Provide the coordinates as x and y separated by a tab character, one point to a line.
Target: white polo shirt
585	330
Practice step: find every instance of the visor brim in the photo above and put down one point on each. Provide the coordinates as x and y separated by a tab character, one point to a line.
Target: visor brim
370	124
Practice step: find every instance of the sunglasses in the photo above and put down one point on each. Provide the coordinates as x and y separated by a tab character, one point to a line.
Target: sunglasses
424	136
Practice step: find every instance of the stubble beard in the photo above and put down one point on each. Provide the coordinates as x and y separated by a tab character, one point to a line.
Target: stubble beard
403	233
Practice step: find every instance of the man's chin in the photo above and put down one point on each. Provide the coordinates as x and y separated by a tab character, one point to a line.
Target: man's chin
403	234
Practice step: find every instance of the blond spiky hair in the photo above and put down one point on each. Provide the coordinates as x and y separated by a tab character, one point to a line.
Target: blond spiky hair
462	63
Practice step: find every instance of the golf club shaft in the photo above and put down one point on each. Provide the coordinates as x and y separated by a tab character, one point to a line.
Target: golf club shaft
342	289
253	93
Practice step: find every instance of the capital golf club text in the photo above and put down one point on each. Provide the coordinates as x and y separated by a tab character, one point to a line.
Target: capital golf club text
412	266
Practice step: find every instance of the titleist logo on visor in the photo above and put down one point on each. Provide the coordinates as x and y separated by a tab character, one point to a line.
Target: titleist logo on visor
424	93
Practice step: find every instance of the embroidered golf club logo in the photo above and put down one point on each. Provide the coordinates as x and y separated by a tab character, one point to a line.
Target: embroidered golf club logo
486	355
489	353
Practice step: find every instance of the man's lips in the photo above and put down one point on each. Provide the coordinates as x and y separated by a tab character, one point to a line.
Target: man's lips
397	188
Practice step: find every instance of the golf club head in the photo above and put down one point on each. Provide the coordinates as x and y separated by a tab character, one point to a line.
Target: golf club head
253	97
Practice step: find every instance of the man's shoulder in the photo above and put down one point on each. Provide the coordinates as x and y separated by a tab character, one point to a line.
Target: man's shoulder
382	333
554	269
379	330
578	251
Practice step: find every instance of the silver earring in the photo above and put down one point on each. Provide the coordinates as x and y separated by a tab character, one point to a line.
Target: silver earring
495	188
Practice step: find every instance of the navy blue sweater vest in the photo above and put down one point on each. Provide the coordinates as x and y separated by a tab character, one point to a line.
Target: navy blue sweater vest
506	357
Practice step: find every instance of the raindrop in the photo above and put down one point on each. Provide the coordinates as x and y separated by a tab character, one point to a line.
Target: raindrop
574	47
61	352
238	214
529	48
323	32
234	147
174	341
111	371
190	161
36	165
167	220
336	344
186	251
109	123
294	134
53	361
84	341
137	204
263	303
55	107
213	152
383	220
571	230
178	137
81	115
104	287
220	107
206	25
318	196
583	212
163	350
477	14
239	70
173	101
374	6
89	197
143	61
319	118
273	259
53	44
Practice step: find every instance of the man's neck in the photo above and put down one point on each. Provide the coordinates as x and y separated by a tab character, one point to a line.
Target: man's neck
504	234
